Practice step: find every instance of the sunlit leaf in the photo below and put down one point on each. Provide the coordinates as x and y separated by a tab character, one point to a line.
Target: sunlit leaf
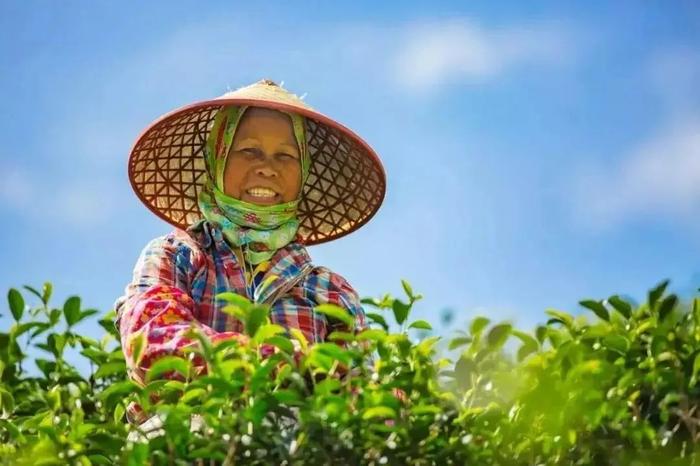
166	365
478	325
299	336
407	289
459	341
110	369
378	412
282	343
561	317
236	300
372	334
267	331
421	324
337	313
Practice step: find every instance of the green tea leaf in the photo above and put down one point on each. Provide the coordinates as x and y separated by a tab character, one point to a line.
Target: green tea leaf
401	311
337	313
425	347
656	293
336	336
288	397
378	412
525	350
119	412
267	331
498	335
378	319
47	290
541	333
55	343
299	336
110	369
118	391
334	351
621	306
19	329
666	306
7	403
478	325
54	316
236	300
561	317
407	289
16	301
371	334
257	316
71	310
283	343
696	365
193	394
34	292
327	386
459	341
421	324
138	343
168	364
617	343
597	308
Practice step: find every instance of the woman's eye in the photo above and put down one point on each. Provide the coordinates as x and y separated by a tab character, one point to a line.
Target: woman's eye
251	151
285	156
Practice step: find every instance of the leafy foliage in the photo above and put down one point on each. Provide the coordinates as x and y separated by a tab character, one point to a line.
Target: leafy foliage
615	385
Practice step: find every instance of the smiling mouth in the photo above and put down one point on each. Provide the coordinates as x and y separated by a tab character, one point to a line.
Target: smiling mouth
261	193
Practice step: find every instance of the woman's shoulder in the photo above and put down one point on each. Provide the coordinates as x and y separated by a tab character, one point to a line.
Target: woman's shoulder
326	281
177	242
319	275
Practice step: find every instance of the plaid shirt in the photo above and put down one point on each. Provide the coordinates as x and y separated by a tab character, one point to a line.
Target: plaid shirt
176	279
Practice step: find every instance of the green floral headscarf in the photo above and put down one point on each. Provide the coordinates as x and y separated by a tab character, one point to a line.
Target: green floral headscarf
258	230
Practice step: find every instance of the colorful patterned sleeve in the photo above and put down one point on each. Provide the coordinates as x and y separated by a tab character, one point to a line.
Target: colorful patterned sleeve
336	290
157	309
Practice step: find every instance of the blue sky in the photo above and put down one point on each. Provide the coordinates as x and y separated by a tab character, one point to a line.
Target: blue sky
536	155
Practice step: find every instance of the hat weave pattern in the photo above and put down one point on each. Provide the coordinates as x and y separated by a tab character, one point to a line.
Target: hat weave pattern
344	189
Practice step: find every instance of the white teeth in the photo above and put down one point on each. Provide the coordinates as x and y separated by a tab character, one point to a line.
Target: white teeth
261	192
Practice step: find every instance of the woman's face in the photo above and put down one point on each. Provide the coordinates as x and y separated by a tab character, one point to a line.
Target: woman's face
263	165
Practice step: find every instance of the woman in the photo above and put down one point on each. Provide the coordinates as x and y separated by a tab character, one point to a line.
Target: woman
248	179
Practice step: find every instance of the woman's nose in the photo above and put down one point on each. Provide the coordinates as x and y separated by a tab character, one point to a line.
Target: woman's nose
266	171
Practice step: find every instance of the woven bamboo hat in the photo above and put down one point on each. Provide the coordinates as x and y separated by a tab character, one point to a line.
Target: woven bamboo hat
344	189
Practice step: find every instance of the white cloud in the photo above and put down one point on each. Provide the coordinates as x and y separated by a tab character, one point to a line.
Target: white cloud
441	52
661	177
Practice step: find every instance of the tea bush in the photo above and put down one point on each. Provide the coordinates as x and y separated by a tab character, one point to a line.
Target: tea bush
618	385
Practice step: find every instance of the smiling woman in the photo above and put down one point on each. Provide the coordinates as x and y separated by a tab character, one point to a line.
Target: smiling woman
248	180
264	164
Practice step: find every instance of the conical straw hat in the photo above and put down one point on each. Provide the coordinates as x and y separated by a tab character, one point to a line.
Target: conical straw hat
344	189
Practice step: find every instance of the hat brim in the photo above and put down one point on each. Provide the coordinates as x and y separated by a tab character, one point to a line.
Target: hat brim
345	187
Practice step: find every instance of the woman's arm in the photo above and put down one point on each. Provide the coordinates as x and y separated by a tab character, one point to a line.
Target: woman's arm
157	309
